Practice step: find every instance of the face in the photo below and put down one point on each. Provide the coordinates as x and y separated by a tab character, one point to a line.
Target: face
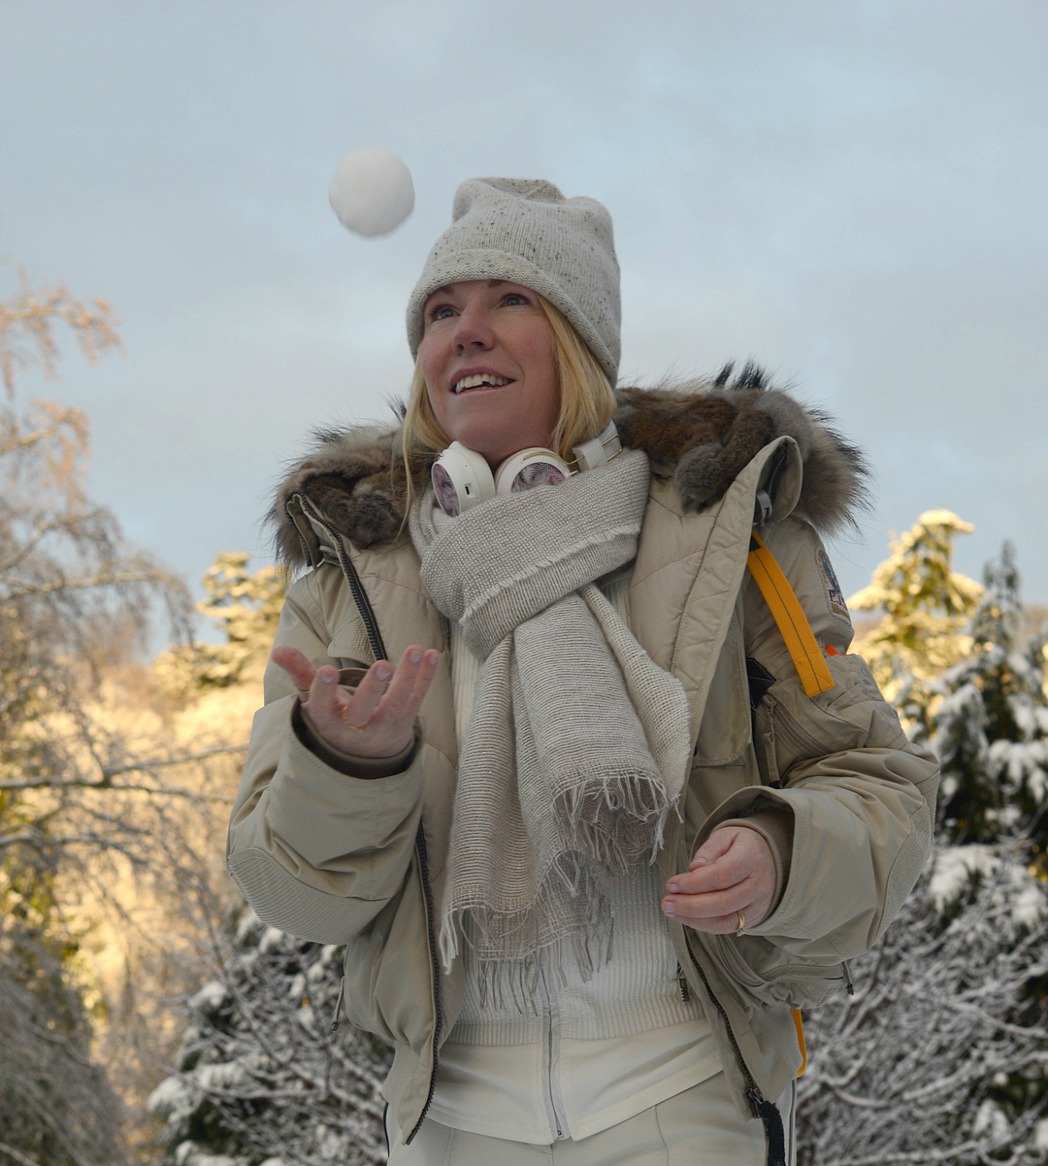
487	359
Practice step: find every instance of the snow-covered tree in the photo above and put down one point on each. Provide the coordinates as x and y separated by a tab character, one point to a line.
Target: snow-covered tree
264	1076
941	1056
925	607
261	1076
245	605
74	596
989	723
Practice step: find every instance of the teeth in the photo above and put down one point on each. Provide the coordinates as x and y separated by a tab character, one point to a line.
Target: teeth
478	379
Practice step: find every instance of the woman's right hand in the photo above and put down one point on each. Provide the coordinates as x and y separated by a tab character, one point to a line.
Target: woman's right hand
377	718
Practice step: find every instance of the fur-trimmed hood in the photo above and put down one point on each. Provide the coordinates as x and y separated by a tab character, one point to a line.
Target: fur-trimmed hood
701	432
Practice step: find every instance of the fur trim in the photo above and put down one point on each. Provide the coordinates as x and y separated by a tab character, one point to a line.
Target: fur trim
701	432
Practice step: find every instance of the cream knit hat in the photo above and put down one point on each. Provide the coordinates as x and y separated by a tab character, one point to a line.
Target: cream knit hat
525	231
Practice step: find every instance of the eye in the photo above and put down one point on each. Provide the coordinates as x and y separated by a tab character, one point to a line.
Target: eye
512	299
439	312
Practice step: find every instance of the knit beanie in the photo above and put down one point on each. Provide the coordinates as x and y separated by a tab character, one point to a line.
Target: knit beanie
525	231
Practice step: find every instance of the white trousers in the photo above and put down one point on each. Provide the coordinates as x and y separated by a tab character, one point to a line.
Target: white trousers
699	1127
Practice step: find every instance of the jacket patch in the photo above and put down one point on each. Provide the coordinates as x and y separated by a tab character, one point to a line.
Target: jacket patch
834	594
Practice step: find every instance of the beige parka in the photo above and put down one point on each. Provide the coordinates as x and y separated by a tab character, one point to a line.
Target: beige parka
358	861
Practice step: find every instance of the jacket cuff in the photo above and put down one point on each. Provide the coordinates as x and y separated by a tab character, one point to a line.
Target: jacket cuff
776	828
366	768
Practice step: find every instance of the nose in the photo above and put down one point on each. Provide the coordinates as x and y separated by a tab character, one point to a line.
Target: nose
473	329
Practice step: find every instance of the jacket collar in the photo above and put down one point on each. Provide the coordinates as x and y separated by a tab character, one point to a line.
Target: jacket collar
700	433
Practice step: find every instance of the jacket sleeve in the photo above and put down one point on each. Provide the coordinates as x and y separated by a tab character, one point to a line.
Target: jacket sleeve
316	852
860	794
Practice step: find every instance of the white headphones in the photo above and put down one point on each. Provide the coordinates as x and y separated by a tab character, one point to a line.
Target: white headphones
462	478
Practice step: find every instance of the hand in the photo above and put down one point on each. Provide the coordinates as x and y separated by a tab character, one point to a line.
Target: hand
377	718
732	871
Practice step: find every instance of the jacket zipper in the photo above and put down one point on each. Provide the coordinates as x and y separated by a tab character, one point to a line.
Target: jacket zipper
438	1016
360	596
763	1109
378	650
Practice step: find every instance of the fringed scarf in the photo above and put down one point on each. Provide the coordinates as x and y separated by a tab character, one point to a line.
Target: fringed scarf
578	742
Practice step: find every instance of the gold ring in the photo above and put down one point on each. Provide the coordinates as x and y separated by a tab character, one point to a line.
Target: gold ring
356	728
742	923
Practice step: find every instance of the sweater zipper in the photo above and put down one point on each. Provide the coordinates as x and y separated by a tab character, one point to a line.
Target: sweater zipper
552	1049
682	985
438	1017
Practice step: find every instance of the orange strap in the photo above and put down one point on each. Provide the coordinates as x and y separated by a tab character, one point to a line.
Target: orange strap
799	1024
807	658
803	647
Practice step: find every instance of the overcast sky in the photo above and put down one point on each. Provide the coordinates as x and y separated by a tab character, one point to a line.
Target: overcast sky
853	194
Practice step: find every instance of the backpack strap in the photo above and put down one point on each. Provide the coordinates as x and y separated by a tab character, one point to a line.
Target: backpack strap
807	658
793	624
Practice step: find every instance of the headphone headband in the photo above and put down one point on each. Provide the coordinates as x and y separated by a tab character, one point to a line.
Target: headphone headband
462	478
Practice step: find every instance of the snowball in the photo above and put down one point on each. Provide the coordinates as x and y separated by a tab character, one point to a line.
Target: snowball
371	191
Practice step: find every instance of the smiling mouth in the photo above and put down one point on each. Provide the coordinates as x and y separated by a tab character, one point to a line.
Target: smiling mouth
479	381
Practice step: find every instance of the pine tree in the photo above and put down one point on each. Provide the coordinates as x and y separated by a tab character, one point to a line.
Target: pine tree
245	605
925	607
942	1054
990	725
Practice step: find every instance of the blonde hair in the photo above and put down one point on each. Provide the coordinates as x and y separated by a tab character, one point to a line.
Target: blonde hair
587	400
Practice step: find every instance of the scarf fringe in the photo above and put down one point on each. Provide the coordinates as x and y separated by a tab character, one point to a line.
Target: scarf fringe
510	957
491	931
603	818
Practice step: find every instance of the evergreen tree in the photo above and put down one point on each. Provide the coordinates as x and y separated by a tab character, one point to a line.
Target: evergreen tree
941	1056
262	1077
989	723
245	605
925	607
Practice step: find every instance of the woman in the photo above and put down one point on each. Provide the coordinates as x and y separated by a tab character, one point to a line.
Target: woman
589	841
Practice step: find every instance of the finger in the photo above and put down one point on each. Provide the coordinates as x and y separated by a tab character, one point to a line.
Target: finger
712	906
715	847
721	875
297	665
716	924
356	708
742	879
410	684
323	700
392	697
722	861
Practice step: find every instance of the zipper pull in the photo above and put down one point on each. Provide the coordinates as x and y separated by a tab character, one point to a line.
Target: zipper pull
338	1002
847	979
682	985
771	1119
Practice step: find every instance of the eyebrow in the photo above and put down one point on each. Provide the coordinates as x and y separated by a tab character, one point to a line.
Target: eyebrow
443	290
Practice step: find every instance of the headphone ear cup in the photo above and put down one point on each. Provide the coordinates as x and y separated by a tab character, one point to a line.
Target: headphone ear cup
528	469
461	478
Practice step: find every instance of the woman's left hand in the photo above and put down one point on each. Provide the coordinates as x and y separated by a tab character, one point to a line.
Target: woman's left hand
730	879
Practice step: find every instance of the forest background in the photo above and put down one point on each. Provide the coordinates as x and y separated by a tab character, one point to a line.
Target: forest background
146	1015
